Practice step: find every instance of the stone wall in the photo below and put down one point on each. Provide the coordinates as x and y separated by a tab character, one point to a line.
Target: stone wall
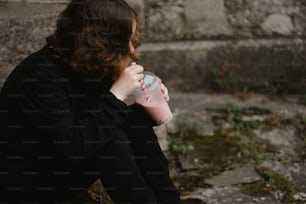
224	44
224	19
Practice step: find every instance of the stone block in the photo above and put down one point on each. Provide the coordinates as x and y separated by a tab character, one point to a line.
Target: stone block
240	175
278	24
206	18
166	22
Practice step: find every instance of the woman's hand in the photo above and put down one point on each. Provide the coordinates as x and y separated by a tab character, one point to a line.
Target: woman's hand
129	80
164	90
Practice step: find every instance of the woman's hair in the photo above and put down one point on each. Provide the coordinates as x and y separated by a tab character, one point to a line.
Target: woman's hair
93	36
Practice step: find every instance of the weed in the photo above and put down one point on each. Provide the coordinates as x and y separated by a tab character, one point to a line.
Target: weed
233	108
180	147
253	150
218	80
178	141
235	113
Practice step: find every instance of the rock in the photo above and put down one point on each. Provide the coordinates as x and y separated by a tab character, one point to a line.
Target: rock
300	196
295	172
165	23
245	174
227	195
275	166
278	24
189	162
206	18
285	138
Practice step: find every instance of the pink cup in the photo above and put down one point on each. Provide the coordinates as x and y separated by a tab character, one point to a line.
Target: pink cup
153	100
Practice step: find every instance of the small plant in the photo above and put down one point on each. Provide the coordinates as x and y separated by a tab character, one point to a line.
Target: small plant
218	80
246	150
252	150
233	108
178	142
180	147
235	111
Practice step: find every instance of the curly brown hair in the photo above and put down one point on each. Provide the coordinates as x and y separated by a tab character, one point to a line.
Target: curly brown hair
93	36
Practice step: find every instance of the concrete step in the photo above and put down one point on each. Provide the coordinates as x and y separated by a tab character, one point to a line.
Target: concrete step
263	65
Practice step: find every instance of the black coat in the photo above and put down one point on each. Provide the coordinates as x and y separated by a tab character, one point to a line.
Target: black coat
53	119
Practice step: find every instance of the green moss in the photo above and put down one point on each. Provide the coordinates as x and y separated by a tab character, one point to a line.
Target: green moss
257	189
217	150
269	183
252	148
188	182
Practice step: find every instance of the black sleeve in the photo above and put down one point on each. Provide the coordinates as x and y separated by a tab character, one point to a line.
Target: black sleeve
45	104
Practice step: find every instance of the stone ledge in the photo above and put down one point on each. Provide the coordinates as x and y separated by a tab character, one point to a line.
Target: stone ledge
266	65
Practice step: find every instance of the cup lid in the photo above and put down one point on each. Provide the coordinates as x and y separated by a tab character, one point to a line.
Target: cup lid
150	81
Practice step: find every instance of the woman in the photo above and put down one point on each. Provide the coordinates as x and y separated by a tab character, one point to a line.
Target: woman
64	122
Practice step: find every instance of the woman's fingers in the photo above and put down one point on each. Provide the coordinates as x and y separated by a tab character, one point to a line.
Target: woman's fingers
164	90
135	68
